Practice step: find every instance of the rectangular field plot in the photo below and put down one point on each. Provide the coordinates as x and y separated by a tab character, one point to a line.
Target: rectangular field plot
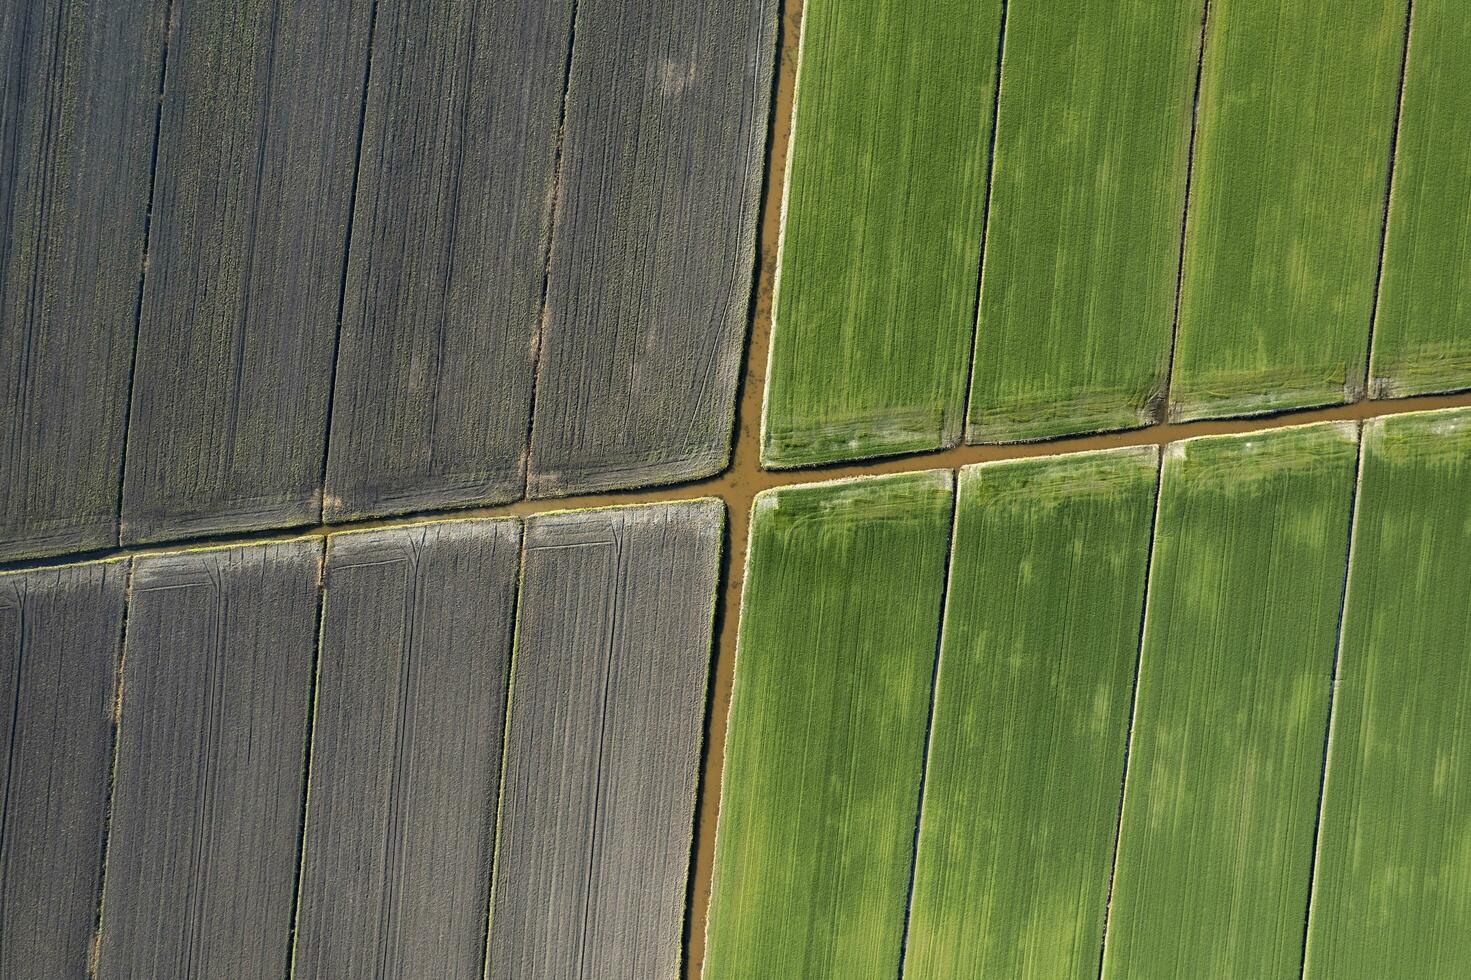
1392	890
1226	755
1422	329
406	750
1297	106
1082	241
613	640
1031	716
442	298
649	281
61	632
876	284
77	112
839	627
253	181
207	801
373	692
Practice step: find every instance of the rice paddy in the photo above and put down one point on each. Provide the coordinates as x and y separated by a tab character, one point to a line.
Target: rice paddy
1098	635
1286	205
1422	328
1182	214
875	292
1031	716
1077	297
1392	893
839	626
1236	664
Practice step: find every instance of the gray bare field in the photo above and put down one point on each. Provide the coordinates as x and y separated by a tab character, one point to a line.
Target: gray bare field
206	806
61	633
603	742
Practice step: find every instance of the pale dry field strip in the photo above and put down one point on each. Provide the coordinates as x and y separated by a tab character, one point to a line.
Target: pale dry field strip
267	265
205	811
248	206
61	629
603	741
442	289
1182	212
410	706
1147	722
428	750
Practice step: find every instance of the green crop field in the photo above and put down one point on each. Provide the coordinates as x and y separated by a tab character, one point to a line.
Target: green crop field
1197	211
876	282
1083	239
1225	761
1422	333
1392	894
1031	716
1109	623
1297	104
839	628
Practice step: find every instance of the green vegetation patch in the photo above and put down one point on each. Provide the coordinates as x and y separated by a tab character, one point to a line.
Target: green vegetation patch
876	284
1083	240
1297	104
1422	333
1225	761
839	628
1392	894
1031	717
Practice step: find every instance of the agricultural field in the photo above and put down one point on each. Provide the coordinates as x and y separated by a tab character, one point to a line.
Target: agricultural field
206	803
708	490
358	259
248	208
1129	722
279	757
875	290
1185	211
603	741
1283	228
412	659
1422	332
836	659
60	629
1031	715
1391	894
1231	703
1076	311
